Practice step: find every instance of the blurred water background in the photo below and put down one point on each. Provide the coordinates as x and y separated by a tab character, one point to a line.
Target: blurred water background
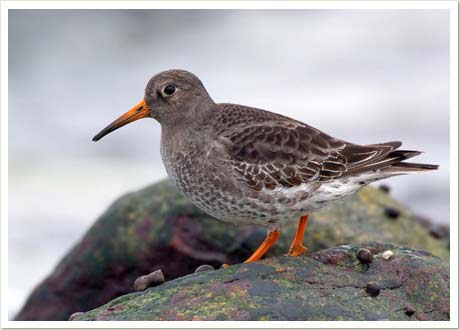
366	76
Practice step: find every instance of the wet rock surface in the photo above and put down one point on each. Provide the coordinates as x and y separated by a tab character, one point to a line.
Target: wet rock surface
156	228
327	285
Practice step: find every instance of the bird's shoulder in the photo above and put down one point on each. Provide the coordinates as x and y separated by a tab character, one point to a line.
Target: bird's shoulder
261	136
229	117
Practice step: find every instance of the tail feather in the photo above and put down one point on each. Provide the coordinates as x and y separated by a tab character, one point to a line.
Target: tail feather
410	167
386	159
404	154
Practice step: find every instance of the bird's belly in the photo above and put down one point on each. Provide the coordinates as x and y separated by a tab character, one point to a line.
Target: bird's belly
222	200
228	206
266	210
210	190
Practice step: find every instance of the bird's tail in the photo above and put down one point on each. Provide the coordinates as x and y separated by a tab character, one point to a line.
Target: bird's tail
394	163
410	168
384	158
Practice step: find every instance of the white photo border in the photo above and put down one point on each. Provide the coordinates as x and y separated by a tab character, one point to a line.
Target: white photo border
452	6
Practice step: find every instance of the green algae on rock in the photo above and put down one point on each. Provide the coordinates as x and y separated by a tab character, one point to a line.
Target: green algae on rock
156	228
326	285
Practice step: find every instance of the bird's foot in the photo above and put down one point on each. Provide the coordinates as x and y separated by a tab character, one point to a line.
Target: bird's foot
297	247
297	250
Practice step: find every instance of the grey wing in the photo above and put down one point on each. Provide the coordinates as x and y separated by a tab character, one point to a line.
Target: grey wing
280	156
271	151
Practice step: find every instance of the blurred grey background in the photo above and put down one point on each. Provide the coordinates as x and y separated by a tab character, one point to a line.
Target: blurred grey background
366	76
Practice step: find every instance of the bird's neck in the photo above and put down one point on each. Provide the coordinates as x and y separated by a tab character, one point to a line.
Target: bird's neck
188	121
181	133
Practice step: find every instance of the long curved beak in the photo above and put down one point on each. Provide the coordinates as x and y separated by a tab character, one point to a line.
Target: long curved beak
139	111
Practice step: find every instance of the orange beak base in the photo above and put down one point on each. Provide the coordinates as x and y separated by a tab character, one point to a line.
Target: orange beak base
139	111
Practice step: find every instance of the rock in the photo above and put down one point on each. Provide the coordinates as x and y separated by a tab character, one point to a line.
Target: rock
157	228
414	285
204	268
409	309
392	212
364	256
385	188
373	289
438	231
387	255
145	281
74	315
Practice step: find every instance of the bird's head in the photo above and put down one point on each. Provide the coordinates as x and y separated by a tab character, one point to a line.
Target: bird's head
172	97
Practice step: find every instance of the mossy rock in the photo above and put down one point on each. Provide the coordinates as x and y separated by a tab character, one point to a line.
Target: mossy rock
157	228
327	285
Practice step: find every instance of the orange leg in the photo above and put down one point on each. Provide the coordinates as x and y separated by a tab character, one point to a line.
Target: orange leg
297	247
269	241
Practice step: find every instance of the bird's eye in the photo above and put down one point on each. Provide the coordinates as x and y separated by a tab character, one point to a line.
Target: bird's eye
169	90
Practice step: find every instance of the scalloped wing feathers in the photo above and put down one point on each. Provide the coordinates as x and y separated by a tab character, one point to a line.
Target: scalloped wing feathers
271	151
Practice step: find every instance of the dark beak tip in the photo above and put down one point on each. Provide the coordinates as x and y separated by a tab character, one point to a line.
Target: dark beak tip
96	138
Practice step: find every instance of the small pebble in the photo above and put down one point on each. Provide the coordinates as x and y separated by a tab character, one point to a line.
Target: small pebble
74	315
204	268
387	254
372	289
409	309
391	212
434	232
146	281
385	188
364	256
141	283
439	231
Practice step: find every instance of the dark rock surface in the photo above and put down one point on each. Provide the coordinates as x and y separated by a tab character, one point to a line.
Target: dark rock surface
328	285
156	228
